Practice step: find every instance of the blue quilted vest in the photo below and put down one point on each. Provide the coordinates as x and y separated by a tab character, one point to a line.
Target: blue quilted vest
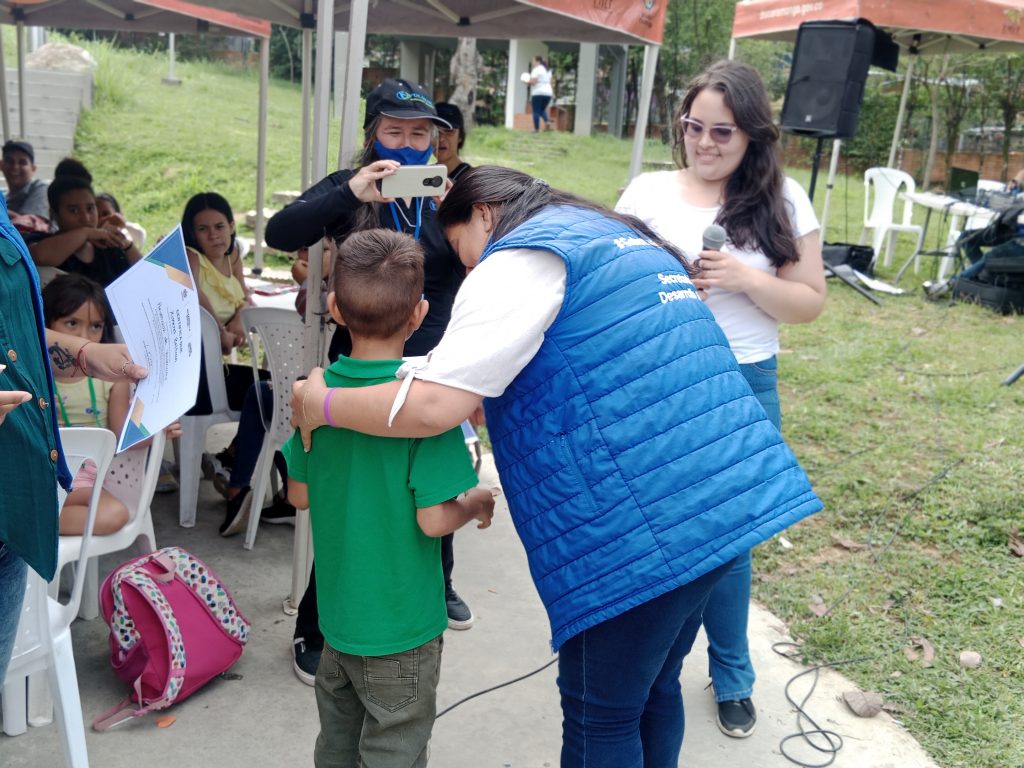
632	453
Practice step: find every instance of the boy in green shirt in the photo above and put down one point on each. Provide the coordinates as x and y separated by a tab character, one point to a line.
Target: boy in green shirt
377	507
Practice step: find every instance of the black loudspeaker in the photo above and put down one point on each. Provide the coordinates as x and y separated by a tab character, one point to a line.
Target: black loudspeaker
826	81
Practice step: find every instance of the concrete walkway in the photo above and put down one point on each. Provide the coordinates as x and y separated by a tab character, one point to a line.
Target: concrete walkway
264	716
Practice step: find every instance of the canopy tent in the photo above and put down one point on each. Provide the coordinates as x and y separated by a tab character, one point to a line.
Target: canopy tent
174	16
917	26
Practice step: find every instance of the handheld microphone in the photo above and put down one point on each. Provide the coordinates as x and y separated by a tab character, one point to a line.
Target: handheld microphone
714	238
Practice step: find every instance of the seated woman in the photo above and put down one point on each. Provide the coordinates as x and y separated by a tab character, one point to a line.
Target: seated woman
81	245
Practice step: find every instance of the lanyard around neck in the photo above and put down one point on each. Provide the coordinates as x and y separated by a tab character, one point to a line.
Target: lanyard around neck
92	402
395	211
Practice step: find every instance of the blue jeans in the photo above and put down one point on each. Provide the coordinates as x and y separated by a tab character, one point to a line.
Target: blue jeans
622	704
540	110
12	596
249	440
725	618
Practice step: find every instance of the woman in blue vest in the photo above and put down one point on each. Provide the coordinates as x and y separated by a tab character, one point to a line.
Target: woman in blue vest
768	272
636	462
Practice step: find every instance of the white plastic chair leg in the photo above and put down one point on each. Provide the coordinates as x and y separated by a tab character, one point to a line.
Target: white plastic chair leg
192	444
14	698
90	606
40	700
64	682
259	491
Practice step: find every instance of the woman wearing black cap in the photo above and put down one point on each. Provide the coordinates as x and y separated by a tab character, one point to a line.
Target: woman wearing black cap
400	128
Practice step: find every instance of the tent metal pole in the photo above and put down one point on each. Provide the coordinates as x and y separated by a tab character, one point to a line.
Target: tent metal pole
307	73
643	109
20	33
833	166
732	48
261	155
358	14
4	117
902	113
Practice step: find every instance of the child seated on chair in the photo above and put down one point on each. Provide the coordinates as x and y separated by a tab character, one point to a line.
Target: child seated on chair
77	306
378	507
82	244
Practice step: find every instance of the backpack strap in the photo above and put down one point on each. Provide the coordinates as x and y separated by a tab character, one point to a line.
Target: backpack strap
214	595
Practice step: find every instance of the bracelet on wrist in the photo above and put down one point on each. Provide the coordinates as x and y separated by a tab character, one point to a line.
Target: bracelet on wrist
81	361
327	408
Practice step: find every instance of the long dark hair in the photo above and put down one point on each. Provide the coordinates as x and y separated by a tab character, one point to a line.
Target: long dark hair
205	201
754	211
63	295
515	197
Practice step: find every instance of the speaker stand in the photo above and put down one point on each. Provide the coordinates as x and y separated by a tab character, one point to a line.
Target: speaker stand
814	167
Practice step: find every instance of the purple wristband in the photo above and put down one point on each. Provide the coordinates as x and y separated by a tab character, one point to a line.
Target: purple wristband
327	407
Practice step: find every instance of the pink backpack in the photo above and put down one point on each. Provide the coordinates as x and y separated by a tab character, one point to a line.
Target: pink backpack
173	627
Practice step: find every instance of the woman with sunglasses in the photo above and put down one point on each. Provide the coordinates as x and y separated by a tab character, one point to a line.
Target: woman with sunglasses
768	272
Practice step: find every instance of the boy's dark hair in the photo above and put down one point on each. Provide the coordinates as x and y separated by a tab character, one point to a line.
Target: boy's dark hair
62	184
63	295
205	201
377	280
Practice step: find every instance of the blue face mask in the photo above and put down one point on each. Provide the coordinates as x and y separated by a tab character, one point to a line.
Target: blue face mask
405	155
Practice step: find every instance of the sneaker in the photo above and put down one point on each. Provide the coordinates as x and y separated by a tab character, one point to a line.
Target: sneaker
279	513
459	615
226	458
222	482
737	718
237	517
305	660
210	466
166	483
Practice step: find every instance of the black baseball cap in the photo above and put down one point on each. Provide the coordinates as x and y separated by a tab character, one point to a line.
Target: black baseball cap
402	99
20	146
448	111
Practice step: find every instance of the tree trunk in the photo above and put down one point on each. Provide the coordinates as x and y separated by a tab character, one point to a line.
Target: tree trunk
465	68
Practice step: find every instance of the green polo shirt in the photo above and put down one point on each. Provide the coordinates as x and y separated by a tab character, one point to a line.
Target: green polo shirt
29	452
379	584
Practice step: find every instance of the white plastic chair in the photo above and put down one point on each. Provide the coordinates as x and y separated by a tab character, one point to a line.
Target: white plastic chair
280	334
132	478
192	442
881	186
43	641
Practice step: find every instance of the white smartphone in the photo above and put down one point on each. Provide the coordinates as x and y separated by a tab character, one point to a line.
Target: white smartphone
414	181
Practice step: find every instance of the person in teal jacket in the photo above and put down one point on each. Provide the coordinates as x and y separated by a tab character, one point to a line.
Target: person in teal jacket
31	460
636	460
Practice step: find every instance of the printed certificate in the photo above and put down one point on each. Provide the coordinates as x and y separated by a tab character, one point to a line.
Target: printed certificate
157	311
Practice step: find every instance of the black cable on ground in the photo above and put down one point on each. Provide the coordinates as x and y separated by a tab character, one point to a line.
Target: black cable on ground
833	742
448	709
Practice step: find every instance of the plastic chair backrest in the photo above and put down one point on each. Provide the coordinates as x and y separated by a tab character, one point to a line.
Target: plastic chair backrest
280	331
213	361
990	185
134	474
881	186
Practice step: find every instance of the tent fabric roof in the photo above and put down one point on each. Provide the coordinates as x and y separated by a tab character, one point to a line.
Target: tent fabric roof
133	16
610	21
921	26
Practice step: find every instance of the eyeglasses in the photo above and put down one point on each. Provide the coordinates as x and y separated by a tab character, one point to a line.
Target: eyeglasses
720	134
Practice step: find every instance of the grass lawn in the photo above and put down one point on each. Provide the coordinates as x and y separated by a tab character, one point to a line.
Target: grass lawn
896	411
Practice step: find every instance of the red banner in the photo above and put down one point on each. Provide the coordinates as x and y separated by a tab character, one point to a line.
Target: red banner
643	19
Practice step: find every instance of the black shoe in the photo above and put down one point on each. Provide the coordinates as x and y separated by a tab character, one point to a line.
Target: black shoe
737	718
279	513
459	615
305	660
237	517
